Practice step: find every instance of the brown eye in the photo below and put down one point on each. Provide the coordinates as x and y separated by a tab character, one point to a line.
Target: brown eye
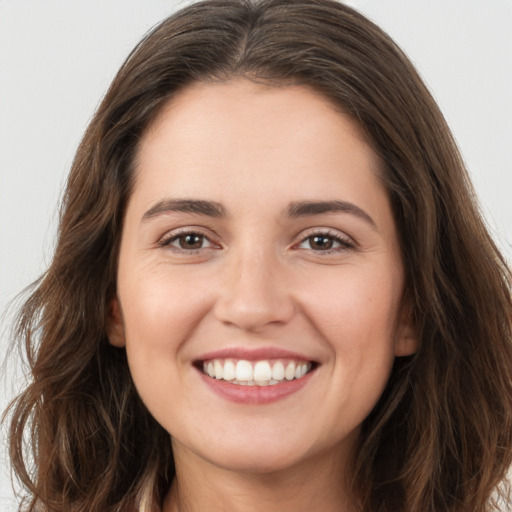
191	241
326	242
321	242
187	242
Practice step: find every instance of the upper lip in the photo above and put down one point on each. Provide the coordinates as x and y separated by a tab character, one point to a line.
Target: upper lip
257	354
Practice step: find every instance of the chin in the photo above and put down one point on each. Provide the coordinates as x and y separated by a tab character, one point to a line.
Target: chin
270	452
256	455
257	462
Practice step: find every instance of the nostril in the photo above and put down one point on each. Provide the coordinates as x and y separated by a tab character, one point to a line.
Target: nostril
252	314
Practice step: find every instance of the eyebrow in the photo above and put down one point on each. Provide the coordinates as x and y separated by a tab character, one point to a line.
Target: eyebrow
208	208
306	208
294	210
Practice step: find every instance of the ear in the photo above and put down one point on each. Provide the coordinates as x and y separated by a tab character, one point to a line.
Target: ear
407	336
115	329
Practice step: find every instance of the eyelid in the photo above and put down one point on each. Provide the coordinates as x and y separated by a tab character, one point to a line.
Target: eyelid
345	240
165	241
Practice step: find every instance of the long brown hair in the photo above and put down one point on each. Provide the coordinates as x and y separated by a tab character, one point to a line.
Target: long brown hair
440	438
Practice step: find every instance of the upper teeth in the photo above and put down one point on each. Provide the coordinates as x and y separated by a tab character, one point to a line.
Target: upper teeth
261	373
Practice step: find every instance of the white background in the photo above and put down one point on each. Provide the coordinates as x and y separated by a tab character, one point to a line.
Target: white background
57	58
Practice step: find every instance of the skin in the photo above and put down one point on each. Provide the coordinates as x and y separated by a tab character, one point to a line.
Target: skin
257	279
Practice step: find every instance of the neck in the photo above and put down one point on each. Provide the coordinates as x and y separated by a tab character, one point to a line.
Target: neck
315	484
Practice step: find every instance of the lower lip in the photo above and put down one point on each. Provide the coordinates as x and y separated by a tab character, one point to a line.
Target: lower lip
255	395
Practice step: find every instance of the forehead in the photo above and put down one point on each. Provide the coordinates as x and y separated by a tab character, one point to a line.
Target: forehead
239	128
256	151
206	103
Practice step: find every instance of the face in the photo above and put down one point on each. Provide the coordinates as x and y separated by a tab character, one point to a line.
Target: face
260	282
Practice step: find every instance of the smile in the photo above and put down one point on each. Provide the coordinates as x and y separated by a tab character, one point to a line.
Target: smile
255	376
256	373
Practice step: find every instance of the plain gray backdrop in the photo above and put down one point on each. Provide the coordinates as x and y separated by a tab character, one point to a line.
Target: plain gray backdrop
57	58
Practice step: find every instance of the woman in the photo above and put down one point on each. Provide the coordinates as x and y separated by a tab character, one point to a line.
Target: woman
271	288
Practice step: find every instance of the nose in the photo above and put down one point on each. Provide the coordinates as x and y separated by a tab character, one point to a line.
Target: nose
254	292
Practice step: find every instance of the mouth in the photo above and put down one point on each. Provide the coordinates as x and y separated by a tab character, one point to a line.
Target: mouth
255	376
264	372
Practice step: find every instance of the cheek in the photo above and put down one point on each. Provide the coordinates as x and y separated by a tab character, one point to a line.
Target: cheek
162	307
355	306
160	313
356	315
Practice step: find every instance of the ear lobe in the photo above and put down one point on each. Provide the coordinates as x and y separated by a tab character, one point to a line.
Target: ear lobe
407	337
115	329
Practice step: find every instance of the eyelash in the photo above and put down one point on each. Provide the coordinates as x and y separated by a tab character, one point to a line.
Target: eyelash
166	242
344	243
